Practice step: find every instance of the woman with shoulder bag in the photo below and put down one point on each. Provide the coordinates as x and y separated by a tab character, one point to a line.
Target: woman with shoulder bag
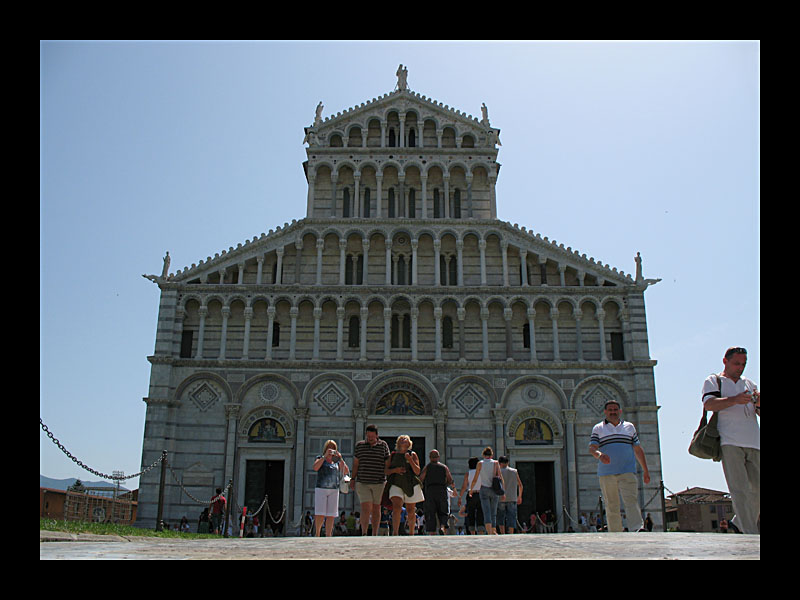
488	470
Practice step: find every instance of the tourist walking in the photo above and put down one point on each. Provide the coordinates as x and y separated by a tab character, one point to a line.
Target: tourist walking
737	402
473	513
369	477
436	478
615	444
507	506
402	469
485	472
217	512
330	468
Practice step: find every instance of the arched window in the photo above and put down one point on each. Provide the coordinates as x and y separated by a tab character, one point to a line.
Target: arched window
391	203
411	139
453	270
395	333
412	205
401	270
354	332
447	332
359	275
392	138
401	335
348	270
345	202
437	205
457	204
526	335
276	334
365	212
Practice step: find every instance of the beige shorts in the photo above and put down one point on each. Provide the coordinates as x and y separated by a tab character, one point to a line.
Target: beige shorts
417	496
369	492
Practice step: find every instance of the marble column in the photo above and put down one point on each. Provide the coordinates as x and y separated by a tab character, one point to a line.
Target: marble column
202	311
270	330
485	330
248	317
293	335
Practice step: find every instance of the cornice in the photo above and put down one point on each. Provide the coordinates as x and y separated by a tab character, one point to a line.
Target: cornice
522	238
472	367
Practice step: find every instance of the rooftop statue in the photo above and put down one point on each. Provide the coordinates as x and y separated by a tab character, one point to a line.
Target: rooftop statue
402	77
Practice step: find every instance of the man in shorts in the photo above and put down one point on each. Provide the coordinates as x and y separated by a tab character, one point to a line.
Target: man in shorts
369	477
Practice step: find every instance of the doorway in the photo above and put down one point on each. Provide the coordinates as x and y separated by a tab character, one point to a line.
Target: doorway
265	477
538	493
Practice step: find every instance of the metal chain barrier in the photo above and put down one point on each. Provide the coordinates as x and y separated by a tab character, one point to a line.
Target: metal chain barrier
185	491
92	471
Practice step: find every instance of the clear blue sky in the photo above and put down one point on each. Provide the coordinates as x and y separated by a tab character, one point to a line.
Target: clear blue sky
194	147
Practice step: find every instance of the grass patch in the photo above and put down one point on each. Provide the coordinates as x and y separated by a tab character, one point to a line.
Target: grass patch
114	529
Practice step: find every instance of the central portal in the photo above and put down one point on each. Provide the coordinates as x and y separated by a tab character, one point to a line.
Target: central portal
265	477
538	493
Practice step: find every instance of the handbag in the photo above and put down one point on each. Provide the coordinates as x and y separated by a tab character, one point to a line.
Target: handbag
497	485
706	441
344	484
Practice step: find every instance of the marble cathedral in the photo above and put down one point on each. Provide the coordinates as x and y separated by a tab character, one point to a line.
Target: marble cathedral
400	300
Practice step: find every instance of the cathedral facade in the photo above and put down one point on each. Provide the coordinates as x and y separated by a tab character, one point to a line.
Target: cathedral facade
400	300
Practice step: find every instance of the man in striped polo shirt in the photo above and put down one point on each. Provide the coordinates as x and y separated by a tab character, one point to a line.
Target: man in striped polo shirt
369	472
616	447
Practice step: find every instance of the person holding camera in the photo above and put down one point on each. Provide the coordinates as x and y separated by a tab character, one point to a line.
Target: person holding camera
737	401
402	470
328	466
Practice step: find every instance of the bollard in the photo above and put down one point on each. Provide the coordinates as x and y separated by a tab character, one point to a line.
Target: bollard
228	508
241	527
159	520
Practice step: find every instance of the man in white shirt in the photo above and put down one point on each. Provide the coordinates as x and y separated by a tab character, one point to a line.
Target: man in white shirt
737	401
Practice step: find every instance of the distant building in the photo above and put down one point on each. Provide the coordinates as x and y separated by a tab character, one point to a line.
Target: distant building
96	505
401	300
698	509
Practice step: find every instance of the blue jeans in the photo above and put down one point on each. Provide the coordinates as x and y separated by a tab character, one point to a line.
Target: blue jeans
507	514
489	502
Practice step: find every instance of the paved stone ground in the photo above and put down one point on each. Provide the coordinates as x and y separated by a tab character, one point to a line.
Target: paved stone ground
563	546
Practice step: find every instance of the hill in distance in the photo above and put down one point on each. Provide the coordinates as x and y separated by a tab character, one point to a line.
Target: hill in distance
63	484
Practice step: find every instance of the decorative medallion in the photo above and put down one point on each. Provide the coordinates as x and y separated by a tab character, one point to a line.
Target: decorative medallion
204	396
331	397
533	395
469	399
268	392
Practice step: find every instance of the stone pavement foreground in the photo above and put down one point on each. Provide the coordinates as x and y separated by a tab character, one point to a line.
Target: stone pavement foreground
563	546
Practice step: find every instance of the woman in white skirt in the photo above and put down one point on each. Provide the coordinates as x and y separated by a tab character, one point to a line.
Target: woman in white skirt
402	469
328	466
